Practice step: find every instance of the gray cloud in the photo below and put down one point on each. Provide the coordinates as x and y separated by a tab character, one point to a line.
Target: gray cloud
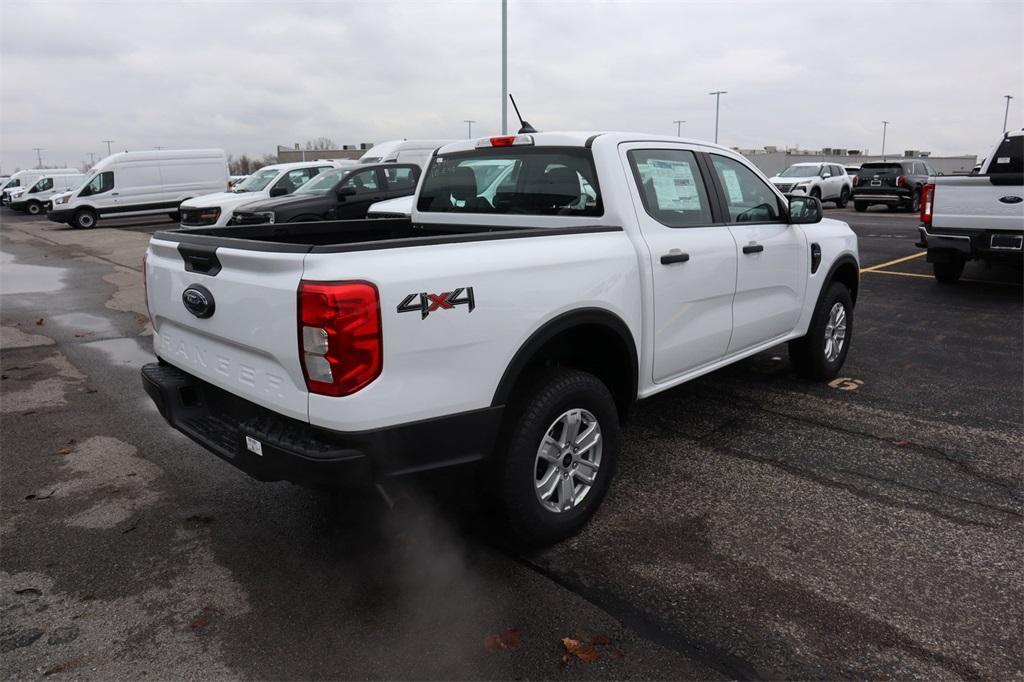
246	77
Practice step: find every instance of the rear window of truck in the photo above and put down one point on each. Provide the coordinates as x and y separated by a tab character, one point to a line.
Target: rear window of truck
513	180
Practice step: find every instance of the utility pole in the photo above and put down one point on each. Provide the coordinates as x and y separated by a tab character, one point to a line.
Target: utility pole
885	125
39	155
1006	116
469	123
504	67
108	145
92	159
718	96
679	127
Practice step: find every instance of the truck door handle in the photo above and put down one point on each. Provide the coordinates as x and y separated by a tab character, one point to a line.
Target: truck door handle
113	194
753	248
677	257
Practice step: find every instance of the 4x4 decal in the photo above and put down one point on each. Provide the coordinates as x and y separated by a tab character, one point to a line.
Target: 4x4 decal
425	303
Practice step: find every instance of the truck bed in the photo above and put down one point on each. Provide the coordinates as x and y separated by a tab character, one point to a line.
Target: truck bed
355	235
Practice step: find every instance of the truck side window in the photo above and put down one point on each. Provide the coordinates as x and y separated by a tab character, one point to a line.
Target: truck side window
363	182
671	186
748	197
292	180
104	182
402	177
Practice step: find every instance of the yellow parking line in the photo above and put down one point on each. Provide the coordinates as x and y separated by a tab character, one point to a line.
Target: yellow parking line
893	272
965	279
873	268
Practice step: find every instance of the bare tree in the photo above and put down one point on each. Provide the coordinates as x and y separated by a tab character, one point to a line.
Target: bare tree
320	144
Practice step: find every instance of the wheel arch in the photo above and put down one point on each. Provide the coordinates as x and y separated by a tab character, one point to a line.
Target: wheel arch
557	341
845	270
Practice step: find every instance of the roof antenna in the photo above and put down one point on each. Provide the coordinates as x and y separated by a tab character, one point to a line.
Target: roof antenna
526	127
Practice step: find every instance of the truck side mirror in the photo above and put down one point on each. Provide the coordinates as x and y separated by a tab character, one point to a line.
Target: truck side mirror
804	210
278	191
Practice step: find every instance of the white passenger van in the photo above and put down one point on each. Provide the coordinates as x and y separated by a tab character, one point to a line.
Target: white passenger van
27	178
35	198
403	151
142	183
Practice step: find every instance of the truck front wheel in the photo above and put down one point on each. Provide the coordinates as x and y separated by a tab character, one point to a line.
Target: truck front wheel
557	455
84	219
820	354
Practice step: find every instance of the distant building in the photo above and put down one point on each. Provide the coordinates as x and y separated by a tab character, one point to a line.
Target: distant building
771	160
297	153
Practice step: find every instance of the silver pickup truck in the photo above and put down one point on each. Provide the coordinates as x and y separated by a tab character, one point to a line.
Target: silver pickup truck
976	216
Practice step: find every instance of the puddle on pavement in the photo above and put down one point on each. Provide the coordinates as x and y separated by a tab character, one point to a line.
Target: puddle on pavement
17	278
86	325
124	352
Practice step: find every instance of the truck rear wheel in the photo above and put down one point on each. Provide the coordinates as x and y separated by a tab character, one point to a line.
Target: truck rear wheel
820	354
948	272
557	455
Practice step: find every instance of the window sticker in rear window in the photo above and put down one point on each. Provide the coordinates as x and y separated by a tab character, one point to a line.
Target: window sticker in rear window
1003	159
674	184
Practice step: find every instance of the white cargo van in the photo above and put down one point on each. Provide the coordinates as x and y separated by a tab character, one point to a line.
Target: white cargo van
35	199
27	178
402	151
142	183
277	180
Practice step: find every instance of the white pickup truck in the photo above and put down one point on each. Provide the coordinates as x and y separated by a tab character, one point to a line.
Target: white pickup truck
976	216
543	284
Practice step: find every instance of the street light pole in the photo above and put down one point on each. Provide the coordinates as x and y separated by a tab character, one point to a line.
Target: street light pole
885	125
1006	116
108	145
39	155
679	127
469	123
718	96
504	67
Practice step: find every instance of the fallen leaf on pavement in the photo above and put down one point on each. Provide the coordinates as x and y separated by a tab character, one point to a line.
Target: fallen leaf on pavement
40	322
64	451
584	652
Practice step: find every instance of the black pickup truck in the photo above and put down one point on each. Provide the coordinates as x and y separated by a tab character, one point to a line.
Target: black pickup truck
897	184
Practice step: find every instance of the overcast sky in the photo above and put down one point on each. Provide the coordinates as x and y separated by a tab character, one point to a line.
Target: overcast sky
249	76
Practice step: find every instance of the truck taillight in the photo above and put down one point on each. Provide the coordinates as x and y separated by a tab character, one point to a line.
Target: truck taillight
505	141
856	180
145	285
340	340
927	198
901	181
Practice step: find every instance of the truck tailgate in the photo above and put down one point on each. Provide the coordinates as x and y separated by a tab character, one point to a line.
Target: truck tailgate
250	345
977	203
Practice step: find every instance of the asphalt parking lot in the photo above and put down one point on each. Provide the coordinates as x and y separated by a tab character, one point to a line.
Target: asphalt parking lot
760	526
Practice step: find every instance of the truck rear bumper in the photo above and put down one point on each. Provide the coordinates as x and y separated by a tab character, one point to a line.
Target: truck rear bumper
271	447
942	242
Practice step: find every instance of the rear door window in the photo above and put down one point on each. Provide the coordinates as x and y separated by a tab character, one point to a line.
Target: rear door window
398	178
363	182
519	180
671	186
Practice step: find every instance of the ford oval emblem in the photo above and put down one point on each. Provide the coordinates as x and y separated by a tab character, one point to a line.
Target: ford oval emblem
198	300
1010	199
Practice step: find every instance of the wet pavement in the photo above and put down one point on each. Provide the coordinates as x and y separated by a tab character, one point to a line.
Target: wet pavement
759	527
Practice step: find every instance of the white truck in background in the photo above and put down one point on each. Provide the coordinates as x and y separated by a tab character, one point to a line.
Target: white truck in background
968	217
35	198
543	284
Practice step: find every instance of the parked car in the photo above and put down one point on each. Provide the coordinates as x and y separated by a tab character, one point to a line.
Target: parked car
825	181
27	178
142	183
516	331
977	216
896	184
278	180
35	199
339	194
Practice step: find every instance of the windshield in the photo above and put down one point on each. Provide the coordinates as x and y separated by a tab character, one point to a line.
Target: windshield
519	180
322	183
800	172
256	182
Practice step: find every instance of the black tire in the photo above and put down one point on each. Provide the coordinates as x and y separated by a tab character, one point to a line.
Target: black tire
915	203
84	219
33	208
844	198
536	407
948	273
860	206
807	354
816	193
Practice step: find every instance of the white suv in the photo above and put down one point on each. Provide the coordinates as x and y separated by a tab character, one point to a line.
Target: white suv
826	181
215	210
